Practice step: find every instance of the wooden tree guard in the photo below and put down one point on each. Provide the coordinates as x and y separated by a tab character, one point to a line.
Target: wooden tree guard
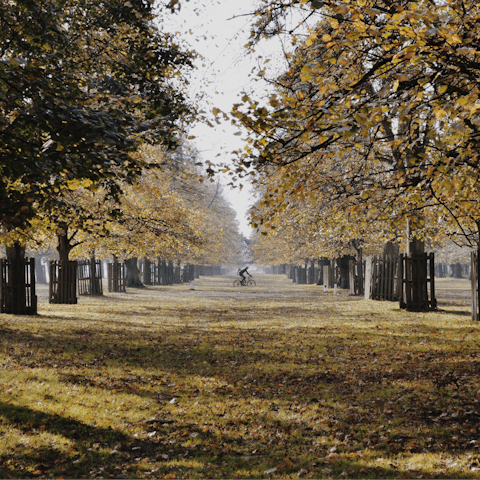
475	290
116	277
63	282
148	272
17	287
188	273
90	277
171	273
177	275
357	277
417	273
161	278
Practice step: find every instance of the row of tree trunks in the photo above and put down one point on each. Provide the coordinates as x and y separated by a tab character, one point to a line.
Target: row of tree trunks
161	274
17	277
322	272
212	270
453	270
278	269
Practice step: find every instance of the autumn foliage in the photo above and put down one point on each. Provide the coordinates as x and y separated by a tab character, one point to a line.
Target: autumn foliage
375	120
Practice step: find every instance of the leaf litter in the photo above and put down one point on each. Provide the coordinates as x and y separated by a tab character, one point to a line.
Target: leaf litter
310	386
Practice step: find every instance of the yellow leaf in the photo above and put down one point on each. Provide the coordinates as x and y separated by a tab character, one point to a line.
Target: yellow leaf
443	89
440	114
360	118
455	39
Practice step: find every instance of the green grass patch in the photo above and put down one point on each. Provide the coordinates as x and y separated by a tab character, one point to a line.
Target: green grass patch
286	383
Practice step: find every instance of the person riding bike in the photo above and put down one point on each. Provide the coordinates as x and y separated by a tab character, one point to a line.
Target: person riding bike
242	272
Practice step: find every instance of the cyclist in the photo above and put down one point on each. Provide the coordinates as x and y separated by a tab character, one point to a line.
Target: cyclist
242	272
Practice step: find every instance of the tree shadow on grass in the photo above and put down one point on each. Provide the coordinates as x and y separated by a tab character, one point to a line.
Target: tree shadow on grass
452	312
29	459
231	450
28	419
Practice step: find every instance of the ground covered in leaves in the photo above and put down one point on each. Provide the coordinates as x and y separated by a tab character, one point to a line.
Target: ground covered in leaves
278	381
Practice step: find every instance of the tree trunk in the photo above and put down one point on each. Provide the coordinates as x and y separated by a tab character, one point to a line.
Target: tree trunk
16	274
344	278
416	247
321	263
147	272
66	288
391	250
456	270
132	278
64	245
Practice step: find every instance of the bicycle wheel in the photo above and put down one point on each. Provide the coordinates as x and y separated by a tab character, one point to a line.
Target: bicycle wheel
236	283
251	283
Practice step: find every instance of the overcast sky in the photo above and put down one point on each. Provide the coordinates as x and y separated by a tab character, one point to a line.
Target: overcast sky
222	76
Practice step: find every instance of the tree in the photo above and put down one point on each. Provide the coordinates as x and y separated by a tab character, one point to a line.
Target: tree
388	88
81	85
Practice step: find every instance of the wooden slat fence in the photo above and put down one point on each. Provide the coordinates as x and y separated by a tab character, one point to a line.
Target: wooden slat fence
148	271
385	279
17	287
90	277
63	282
161	273
417	273
116	277
382	278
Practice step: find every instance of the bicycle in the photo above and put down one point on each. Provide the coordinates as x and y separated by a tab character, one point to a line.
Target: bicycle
248	283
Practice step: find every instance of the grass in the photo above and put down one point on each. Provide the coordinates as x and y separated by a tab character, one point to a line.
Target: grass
286	383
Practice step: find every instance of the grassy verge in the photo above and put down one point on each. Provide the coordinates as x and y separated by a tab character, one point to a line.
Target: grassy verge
172	383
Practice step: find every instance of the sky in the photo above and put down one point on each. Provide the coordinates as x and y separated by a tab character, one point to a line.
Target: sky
218	31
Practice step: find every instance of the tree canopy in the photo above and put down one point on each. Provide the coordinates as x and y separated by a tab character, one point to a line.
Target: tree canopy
82	84
378	110
169	212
